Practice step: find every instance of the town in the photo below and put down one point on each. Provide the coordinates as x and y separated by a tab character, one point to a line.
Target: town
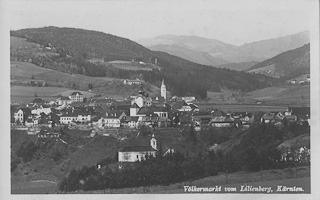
108	117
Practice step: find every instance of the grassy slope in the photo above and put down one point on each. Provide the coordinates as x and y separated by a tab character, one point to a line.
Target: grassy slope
105	86
283	95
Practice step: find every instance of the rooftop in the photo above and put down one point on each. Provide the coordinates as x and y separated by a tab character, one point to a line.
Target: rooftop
137	149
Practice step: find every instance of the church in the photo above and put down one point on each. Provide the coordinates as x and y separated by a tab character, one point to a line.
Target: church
138	153
143	99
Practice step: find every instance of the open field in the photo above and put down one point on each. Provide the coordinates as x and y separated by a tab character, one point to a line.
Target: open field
26	94
243	107
283	95
127	65
20	185
16	43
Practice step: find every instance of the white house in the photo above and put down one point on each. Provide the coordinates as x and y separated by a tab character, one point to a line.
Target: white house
110	122
18	116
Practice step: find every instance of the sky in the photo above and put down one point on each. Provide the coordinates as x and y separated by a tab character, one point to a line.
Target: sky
232	21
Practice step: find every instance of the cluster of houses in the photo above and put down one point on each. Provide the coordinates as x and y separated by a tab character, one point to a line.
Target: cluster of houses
140	110
131	113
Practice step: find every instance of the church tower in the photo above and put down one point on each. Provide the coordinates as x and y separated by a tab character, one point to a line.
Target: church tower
153	142
163	90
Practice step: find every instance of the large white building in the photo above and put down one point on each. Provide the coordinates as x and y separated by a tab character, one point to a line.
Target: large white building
76	97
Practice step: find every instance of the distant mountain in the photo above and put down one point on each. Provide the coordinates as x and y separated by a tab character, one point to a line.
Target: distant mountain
265	49
254	51
74	47
203	58
287	65
195	43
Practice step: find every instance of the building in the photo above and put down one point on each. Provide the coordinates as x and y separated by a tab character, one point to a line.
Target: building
22	114
76	97
163	90
63	101
132	82
137	153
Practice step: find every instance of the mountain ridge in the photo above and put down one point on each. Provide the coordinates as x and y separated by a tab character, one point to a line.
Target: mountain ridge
75	46
248	52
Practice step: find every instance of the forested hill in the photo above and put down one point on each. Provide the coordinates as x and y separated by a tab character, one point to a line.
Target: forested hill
182	77
287	65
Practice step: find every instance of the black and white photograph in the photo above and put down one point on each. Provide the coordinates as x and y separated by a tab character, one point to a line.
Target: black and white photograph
161	98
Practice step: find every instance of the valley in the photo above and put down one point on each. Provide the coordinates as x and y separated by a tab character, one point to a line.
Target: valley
96	113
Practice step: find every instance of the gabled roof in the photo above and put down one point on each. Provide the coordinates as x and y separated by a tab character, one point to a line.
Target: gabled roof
130	119
178	104
75	93
26	111
137	149
134	106
145	111
64	98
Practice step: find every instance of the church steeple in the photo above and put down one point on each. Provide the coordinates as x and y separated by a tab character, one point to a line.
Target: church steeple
163	90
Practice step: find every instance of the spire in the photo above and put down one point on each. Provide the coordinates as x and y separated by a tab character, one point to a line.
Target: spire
162	82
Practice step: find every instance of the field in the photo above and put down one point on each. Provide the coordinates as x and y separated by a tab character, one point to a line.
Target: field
26	94
16	43
243	107
284	95
133	66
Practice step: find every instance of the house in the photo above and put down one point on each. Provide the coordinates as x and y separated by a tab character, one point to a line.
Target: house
132	82
63	101
68	118
188	99
38	111
131	122
163	122
268	118
113	122
245	117
76	97
148	120
138	153
220	119
116	114
22	114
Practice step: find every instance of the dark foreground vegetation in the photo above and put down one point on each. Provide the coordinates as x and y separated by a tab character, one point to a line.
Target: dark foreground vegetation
257	150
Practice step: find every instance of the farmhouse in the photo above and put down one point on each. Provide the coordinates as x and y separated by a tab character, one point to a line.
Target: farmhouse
137	153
